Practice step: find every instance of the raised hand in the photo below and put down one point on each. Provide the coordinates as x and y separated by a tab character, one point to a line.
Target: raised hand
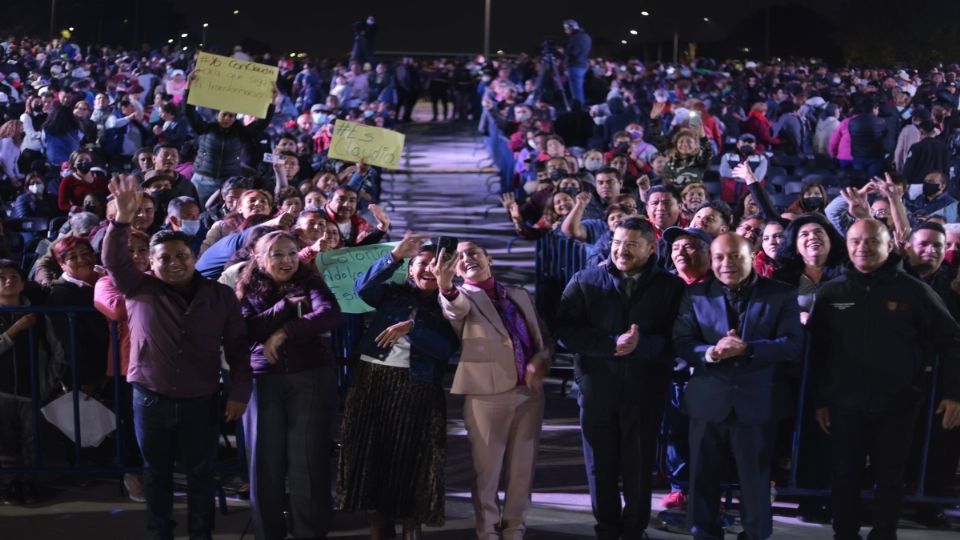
126	195
583	199
444	270
857	204
383	220
408	247
643	183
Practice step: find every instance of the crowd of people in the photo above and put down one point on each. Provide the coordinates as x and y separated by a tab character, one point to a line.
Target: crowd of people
755	236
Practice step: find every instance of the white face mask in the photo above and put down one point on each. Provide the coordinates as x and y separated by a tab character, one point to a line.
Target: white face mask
36	189
190	227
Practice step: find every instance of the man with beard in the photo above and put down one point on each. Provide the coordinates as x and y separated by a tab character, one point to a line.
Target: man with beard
604	314
734	331
731	187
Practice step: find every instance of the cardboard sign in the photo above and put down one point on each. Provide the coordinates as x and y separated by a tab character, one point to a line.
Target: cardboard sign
232	85
375	146
340	268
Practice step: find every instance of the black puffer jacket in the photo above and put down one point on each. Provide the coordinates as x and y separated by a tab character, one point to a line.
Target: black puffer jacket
867	136
218	152
873	335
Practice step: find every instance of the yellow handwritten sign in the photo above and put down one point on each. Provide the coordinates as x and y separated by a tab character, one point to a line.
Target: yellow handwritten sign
375	146
228	84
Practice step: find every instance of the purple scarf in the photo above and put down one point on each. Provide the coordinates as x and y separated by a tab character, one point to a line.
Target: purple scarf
513	321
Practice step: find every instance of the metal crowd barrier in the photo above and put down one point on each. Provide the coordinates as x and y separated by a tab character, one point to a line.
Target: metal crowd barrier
70	351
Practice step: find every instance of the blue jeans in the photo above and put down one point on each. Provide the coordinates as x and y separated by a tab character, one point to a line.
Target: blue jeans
168	428
206	186
575	77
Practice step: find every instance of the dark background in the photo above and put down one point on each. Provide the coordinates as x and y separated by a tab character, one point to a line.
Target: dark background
858	31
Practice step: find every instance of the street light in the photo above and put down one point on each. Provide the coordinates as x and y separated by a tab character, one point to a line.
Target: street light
633	32
170	40
205	25
645	13
183	35
70	29
706	19
623	41
236	12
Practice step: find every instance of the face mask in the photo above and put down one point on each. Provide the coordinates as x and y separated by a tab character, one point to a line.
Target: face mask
813	203
522	117
83	167
635	133
190	227
90	208
36	189
593	164
573	192
930	190
532	143
952	257
745	150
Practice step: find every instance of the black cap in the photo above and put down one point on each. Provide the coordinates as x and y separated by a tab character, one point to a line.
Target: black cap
672	233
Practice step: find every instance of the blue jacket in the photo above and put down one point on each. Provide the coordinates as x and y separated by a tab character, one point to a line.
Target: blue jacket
746	385
432	339
578	49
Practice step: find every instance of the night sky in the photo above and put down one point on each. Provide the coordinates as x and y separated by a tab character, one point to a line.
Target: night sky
826	28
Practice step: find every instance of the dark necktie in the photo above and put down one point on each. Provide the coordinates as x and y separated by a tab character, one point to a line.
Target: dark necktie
629	285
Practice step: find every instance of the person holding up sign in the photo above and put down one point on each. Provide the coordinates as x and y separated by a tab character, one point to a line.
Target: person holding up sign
220	144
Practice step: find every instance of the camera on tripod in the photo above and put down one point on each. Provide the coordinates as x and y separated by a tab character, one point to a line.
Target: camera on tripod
548	51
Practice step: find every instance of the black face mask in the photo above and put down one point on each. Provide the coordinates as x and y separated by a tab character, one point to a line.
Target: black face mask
746	150
930	190
90	208
813	203
558	174
623	147
83	167
573	192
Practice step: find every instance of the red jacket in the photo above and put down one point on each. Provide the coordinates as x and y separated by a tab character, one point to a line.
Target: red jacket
757	125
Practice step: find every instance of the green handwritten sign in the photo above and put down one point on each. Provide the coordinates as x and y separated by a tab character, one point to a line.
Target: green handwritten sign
375	146
341	268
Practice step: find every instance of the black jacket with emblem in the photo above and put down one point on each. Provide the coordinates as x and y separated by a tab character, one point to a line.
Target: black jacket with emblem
873	336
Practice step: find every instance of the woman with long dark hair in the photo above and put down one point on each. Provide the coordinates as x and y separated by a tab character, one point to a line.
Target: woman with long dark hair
33	117
288	309
61	135
394	426
811	253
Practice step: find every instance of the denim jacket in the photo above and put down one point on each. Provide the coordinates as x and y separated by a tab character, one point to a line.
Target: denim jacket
432	339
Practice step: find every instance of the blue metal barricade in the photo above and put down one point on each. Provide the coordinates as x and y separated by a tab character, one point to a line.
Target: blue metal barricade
119	466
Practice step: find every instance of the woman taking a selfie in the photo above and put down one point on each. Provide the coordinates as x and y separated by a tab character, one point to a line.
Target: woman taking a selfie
288	309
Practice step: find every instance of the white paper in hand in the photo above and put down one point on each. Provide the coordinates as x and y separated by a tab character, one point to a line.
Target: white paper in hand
96	421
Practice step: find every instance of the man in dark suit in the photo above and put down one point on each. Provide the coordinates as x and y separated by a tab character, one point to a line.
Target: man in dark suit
618	318
735	331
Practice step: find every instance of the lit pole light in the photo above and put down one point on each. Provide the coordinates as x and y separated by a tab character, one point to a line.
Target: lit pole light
633	32
236	12
645	13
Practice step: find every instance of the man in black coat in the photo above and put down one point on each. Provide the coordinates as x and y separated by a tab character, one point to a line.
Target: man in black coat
928	155
736	331
618	318
874	332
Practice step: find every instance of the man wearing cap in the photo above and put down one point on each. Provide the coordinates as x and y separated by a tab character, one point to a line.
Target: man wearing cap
166	159
731	188
617	318
578	57
690	254
735	331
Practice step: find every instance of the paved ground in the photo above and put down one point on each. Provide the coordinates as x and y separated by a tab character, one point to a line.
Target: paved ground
459	204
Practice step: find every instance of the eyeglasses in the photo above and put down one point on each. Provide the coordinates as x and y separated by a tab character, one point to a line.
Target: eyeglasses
625	245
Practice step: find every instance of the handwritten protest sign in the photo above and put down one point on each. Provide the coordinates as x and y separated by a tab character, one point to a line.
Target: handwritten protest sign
341	268
228	84
375	146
